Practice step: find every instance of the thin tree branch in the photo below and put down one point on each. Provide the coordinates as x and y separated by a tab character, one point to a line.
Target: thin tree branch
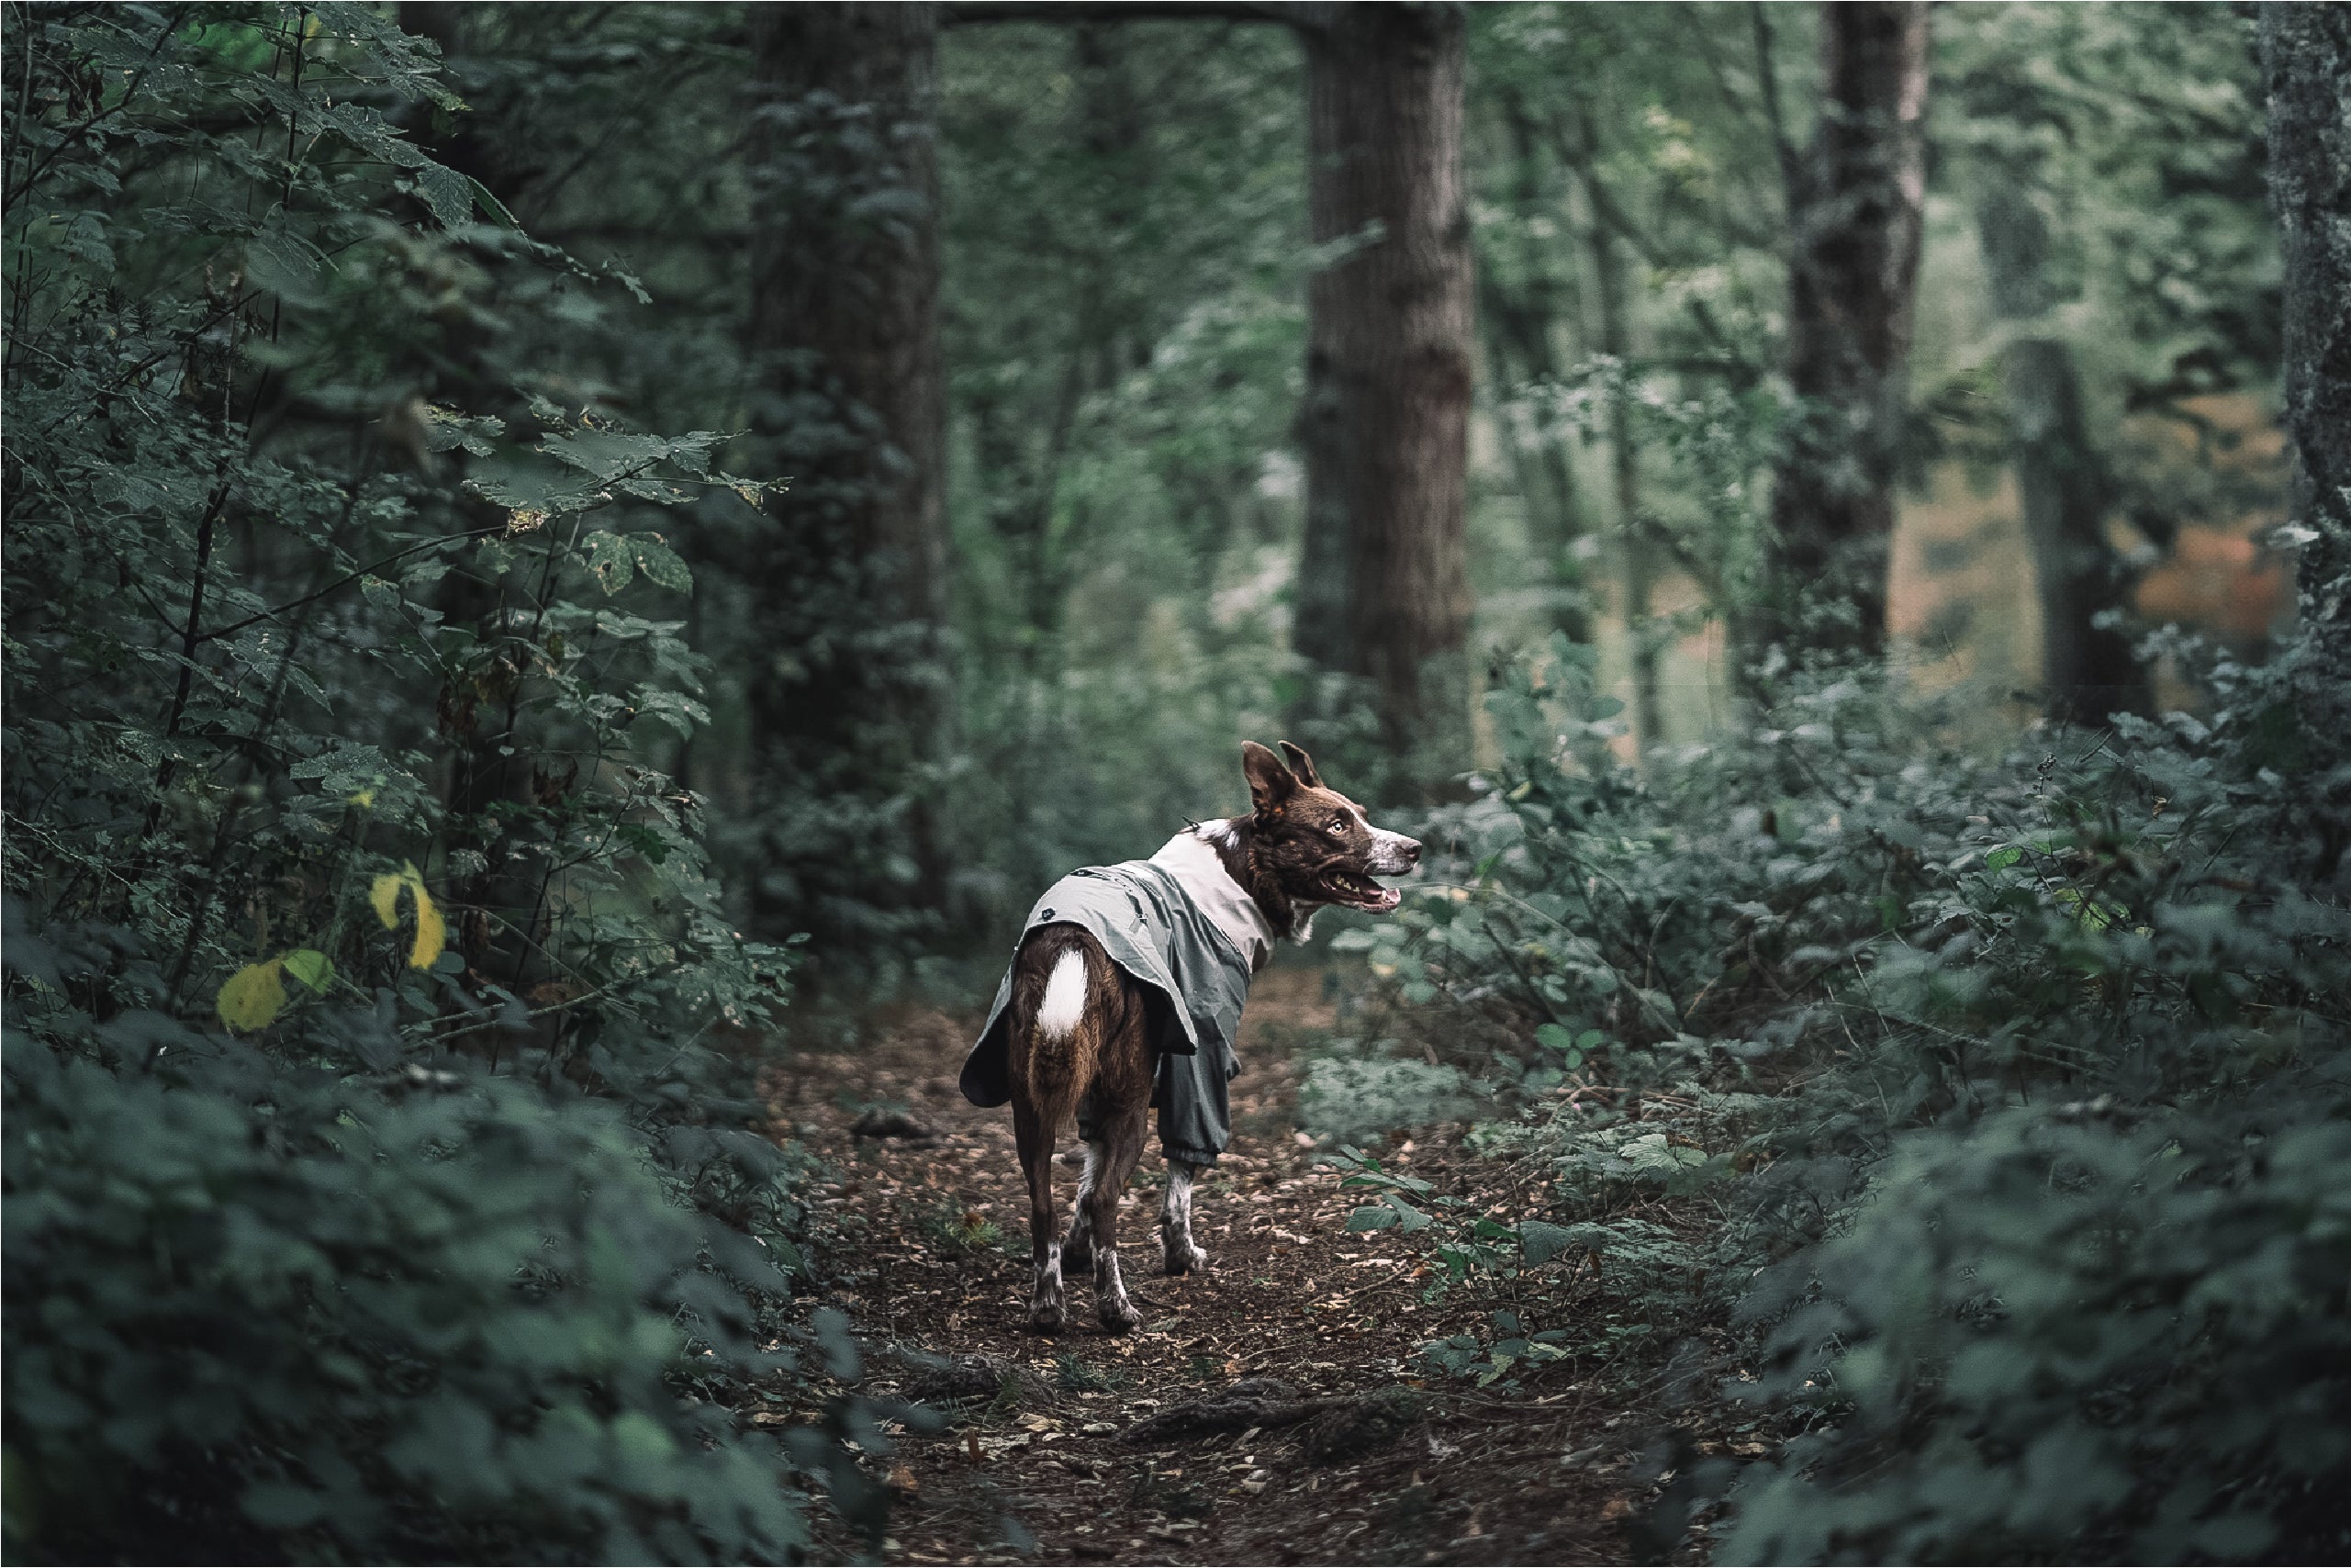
1767	80
350	578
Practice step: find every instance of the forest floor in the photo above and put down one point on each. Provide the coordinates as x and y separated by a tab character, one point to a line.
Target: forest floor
926	1249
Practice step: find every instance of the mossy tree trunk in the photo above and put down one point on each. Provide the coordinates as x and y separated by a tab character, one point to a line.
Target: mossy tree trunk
1857	209
849	406
2086	670
1383	587
2306	55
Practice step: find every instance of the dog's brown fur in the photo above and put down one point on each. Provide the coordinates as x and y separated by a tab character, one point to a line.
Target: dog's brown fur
1303	845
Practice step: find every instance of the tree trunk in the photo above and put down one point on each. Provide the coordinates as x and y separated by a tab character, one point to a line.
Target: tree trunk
2306	55
1519	317
2087	672
847	578
1383	591
1857	204
1636	560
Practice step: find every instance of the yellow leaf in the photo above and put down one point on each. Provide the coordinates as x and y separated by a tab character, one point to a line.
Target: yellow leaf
361	798
385	894
432	931
253	997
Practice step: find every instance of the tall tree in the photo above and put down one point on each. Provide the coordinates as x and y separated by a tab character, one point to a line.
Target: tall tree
2306	54
1384	591
2087	669
1857	204
1636	572
1520	290
844	335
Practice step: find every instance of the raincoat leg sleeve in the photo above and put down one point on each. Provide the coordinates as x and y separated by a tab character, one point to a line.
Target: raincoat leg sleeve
1195	1117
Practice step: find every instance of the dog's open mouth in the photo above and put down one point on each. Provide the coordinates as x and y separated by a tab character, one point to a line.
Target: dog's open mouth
1354	891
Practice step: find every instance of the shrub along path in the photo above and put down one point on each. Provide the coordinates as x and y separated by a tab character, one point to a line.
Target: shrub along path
925	1249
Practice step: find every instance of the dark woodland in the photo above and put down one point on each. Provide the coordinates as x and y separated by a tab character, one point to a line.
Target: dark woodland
571	570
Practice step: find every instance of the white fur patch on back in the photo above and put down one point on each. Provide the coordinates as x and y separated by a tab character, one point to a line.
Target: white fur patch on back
1065	997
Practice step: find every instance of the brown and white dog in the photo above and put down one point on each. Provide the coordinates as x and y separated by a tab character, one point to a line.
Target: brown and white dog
1078	1020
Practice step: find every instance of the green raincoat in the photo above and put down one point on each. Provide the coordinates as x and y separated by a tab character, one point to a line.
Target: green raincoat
1181	925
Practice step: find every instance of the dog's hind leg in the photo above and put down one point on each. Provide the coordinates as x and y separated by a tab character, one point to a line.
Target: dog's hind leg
1078	1250
1035	1137
1122	1147
1175	1220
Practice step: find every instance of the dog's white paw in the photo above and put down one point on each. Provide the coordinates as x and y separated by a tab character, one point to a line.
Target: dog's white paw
1045	1309
1184	1258
1111	1304
1047	1312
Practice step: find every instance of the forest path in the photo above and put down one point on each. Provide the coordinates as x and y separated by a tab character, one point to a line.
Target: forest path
903	1245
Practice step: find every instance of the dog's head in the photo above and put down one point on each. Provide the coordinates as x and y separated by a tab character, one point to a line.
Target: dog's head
1313	843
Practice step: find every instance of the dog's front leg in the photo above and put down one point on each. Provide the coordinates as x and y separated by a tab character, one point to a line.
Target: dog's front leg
1175	1220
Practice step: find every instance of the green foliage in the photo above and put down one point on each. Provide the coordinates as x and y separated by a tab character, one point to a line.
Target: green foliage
328	701
1353	1098
417	1315
1124	255
959	1231
2119	1339
2035	1072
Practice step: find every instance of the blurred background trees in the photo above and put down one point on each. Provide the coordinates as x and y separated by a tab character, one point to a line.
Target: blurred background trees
1124	367
645	484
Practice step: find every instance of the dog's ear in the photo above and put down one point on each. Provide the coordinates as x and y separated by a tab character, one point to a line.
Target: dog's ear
1271	784
1302	766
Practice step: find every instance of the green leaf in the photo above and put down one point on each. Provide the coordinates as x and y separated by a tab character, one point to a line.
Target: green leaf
449	194
1410	1219
610	558
660	564
2003	858
312	967
1543	1242
1372	1217
253	997
492	205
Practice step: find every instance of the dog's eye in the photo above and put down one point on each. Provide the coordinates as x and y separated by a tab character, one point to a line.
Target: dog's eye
1338	824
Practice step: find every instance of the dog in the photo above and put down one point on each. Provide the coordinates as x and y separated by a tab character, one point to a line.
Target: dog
1131	975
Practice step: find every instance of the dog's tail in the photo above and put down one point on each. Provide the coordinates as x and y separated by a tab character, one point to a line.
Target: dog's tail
1061	995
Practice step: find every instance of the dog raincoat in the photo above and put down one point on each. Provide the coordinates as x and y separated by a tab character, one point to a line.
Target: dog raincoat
1181	925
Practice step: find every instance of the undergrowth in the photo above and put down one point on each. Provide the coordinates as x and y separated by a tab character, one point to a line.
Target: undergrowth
1978	1126
381	1183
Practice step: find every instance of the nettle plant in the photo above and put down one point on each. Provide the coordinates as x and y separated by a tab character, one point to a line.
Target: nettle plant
377	1183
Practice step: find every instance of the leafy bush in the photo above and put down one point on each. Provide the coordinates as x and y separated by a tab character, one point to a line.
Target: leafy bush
417	1315
1355	1099
376	1187
2031	1068
2072	1338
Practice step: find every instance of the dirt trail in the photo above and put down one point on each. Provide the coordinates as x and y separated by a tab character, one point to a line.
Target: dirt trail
926	1249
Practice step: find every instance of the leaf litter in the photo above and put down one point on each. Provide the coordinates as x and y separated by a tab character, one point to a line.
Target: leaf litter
1353	1453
